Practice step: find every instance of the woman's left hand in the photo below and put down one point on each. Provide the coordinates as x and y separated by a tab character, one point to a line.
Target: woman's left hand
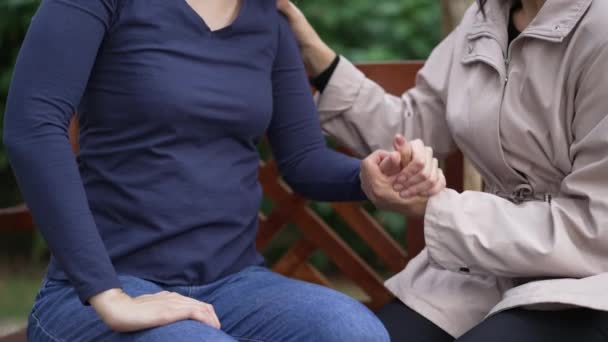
420	174
379	187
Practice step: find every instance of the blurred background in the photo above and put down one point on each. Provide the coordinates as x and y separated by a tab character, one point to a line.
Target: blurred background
362	30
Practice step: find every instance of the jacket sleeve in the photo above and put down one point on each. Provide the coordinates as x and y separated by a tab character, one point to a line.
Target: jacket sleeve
361	115
51	74
568	237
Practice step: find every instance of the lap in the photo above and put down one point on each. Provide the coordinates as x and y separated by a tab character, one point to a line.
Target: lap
58	315
261	305
253	305
406	325
538	326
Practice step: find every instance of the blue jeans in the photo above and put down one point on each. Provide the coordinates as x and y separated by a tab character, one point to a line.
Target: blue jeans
254	305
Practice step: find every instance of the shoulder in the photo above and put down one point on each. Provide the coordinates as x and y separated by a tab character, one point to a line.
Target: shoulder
269	6
263	9
263	14
471	16
588	44
593	27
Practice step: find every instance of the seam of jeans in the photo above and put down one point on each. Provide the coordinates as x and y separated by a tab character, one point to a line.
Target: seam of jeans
39	325
189	291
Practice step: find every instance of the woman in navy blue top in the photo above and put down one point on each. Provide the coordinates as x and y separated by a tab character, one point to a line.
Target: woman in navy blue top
172	97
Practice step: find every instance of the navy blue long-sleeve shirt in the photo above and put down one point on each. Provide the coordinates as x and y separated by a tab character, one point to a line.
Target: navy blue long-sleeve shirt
165	186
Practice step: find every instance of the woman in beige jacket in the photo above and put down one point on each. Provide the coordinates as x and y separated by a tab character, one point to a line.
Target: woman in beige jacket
521	88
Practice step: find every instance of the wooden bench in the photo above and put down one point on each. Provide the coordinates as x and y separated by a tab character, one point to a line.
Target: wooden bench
316	235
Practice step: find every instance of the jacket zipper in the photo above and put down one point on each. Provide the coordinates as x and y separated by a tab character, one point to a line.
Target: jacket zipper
507	62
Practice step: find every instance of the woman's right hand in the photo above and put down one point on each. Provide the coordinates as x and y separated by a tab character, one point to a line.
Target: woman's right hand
316	54
123	313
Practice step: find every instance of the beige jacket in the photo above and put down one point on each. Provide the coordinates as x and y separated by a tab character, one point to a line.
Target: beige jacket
534	114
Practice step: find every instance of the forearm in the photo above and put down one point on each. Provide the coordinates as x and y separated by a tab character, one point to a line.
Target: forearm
485	234
324	175
47	86
363	116
51	185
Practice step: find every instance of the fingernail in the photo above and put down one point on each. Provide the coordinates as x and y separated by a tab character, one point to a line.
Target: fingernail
398	187
399	139
405	194
401	179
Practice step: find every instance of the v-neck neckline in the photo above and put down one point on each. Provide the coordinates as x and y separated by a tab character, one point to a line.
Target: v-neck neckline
194	14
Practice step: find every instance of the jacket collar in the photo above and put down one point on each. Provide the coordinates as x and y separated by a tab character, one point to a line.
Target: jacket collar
555	21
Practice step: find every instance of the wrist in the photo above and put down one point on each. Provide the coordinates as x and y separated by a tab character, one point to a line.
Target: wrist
317	57
101	301
415	207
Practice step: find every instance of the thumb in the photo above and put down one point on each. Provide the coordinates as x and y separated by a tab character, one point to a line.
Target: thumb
404	148
372	163
391	165
377	157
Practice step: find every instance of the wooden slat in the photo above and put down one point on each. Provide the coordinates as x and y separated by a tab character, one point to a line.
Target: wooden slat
294	257
393	256
454	171
73	134
310	274
20	336
277	219
414	237
342	255
394	77
285	203
16	219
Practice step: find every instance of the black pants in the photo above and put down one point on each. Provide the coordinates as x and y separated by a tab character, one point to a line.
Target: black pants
518	325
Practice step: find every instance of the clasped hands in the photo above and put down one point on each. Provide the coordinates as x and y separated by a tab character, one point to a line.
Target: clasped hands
404	179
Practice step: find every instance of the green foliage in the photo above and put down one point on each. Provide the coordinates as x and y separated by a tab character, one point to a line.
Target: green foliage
15	16
365	30
17	291
362	30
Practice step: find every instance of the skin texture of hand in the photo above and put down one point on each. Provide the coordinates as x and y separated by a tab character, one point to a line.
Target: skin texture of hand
379	188
316	54
123	313
421	174
414	164
390	164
